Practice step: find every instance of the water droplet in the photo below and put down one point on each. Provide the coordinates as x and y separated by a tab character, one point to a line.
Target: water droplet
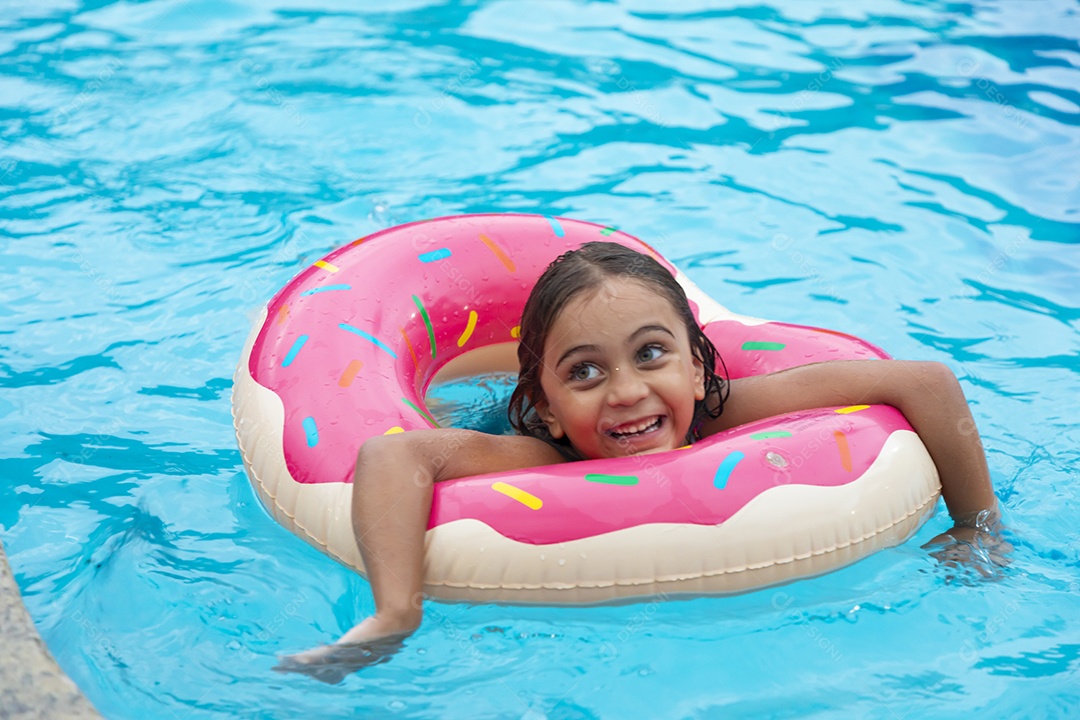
380	215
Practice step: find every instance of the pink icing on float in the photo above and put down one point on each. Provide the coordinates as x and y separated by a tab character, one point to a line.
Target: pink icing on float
348	349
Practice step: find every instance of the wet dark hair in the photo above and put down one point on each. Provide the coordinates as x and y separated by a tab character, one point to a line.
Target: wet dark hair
564	279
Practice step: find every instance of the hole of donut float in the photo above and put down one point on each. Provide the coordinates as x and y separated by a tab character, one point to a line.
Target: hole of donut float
475	402
473	390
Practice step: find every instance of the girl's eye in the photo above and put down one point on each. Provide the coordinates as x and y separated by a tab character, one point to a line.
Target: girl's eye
650	353
584	372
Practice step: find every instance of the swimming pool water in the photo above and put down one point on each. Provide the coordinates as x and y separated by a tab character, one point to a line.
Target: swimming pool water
904	171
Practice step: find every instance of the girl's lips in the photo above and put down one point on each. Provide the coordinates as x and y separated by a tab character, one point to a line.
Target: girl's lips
637	427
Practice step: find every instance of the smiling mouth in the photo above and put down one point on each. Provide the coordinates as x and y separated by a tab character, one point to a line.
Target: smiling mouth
637	429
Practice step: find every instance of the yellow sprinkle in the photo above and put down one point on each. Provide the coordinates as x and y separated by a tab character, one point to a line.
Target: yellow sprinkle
326	266
851	409
515	332
394	430
468	329
525	498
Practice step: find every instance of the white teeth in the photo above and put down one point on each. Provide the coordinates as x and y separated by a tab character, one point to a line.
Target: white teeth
637	429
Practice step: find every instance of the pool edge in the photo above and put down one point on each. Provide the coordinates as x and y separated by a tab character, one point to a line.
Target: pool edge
32	685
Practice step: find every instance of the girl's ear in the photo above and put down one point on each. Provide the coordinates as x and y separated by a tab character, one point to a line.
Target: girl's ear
543	411
699	379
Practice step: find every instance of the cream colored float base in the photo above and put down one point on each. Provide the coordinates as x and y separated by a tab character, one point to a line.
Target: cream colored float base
780	535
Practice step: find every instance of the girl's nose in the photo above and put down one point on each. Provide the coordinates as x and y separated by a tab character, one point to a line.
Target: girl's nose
626	387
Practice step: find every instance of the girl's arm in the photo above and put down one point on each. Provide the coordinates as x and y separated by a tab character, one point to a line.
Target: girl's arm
391	503
927	393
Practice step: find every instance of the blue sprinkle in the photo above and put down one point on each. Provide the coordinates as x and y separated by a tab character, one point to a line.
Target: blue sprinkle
434	255
367	336
326	288
723	473
294	350
311	431
559	232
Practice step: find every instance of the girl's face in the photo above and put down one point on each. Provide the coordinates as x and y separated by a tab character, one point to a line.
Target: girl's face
618	374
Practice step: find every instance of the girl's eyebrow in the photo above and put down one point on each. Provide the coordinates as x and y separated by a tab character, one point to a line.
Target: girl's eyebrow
577	349
647	329
644	329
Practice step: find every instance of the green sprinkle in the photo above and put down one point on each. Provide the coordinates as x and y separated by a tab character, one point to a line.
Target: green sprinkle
608	231
752	345
426	416
612	479
427	321
772	434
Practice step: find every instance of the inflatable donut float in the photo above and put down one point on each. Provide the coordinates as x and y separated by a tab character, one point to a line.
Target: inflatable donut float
347	350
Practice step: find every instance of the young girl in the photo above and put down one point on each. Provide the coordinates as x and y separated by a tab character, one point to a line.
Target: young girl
613	363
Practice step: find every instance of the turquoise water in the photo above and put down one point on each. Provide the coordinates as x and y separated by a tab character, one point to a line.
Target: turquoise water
906	172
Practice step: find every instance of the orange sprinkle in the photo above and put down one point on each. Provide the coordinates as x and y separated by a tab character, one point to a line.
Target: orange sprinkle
656	255
283	313
499	252
408	343
845	451
350	372
356	242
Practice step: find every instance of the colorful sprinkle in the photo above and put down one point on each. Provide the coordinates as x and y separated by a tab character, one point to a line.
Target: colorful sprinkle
755	345
326	288
559	232
499	252
515	332
440	254
608	231
612	479
412	350
770	434
394	430
291	355
837	333
525	498
369	337
356	242
845	451
326	266
469	327
427	322
427	417
652	251
850	409
283	313
723	473
350	372
312	431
